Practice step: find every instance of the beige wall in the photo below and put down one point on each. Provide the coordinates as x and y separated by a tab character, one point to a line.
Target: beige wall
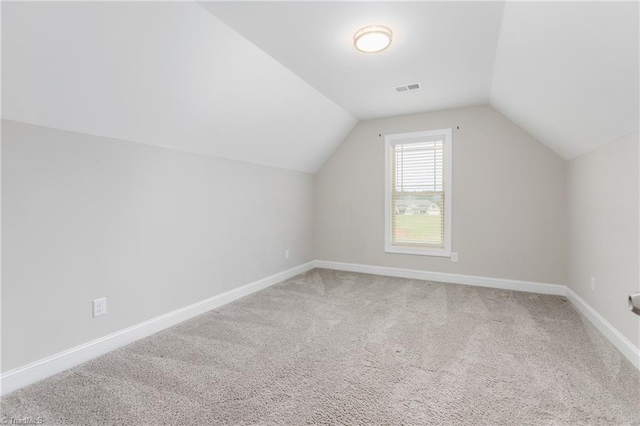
603	216
151	229
508	199
154	229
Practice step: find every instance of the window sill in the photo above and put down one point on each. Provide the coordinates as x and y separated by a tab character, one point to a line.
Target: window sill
418	251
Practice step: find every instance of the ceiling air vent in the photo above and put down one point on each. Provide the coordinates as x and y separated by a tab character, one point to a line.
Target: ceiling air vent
408	87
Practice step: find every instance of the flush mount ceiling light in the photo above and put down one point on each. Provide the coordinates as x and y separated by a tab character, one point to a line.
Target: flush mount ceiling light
372	39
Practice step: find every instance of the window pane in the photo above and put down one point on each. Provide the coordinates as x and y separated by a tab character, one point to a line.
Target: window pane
418	219
417	186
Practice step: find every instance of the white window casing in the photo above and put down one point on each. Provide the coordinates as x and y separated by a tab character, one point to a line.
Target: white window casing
418	193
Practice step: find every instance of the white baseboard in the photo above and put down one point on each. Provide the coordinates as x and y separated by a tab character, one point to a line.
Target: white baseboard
609	331
444	277
623	344
46	367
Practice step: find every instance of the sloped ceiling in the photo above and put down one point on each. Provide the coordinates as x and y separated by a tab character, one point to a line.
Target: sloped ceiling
447	47
167	74
279	83
567	72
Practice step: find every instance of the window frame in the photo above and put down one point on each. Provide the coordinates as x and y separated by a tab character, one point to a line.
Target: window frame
396	139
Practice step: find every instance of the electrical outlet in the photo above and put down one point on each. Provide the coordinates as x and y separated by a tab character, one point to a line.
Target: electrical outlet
286	254
593	284
454	257
99	307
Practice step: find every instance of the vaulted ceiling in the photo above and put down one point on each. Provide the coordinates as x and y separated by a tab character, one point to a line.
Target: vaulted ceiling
567	72
279	83
161	73
449	48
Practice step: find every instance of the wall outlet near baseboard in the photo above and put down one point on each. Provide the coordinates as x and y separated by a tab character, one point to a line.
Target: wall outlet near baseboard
99	307
286	254
454	257
593	283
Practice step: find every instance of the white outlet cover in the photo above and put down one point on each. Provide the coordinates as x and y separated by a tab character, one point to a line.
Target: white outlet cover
99	307
286	254
454	257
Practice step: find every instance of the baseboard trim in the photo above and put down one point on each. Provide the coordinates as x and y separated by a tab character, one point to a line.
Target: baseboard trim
47	367
531	287
623	344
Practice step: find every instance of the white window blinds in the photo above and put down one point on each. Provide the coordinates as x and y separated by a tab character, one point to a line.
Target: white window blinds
417	192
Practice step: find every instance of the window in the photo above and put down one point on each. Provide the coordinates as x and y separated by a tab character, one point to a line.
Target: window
418	193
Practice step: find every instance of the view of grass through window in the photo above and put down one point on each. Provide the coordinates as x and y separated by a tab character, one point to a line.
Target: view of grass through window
418	220
418	194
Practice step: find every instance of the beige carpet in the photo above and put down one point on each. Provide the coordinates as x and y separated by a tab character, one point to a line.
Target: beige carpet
343	348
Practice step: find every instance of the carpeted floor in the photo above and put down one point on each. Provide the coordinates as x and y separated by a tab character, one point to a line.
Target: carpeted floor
333	347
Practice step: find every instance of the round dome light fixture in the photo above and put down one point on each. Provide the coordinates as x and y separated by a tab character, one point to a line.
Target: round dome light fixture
372	39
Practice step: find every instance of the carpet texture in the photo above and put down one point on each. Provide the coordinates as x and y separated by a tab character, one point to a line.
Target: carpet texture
332	347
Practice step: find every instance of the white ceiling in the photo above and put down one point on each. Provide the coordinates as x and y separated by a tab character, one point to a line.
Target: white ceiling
167	74
447	47
568	72
279	83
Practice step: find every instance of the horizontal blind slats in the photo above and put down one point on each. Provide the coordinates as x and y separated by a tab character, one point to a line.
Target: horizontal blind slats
417	198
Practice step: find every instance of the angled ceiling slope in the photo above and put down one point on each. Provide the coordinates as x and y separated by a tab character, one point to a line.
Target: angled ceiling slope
166	74
173	75
448	47
568	72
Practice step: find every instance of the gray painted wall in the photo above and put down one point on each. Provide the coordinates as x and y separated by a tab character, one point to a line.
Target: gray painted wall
603	231
508	199
152	229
